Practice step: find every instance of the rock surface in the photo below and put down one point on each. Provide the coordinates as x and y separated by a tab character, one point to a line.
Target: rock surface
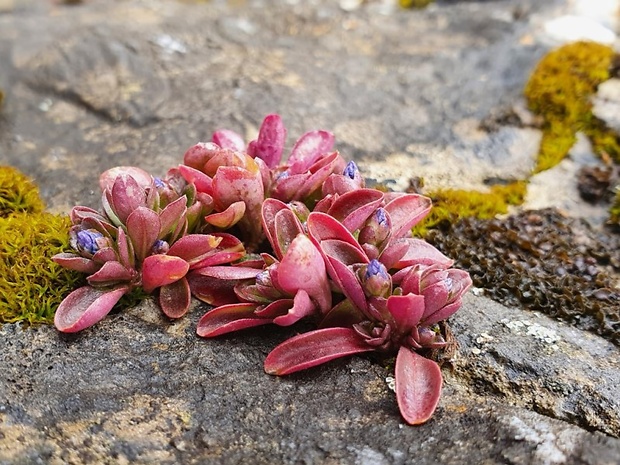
407	93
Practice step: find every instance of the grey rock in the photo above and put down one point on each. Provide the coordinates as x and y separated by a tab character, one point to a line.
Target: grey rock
606	103
137	389
407	93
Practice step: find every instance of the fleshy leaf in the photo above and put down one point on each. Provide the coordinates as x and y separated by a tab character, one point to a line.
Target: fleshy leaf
314	348
194	247
418	386
270	142
406	211
107	178
302	307
355	207
308	149
227	218
86	306
202	182
229	318
423	253
175	298
228	139
76	262
110	273
160	270
143	227
126	196
171	215
303	269
406	310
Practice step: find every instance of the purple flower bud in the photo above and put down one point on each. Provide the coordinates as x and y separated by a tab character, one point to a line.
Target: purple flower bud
351	170
89	241
375	279
158	183
160	247
377	228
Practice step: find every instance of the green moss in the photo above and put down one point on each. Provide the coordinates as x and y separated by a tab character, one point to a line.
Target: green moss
559	90
32	286
450	205
614	211
18	193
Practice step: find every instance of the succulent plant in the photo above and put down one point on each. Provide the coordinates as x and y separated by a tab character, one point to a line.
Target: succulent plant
321	246
142	238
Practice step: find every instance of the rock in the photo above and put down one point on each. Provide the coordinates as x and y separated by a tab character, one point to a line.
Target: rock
407	93
135	389
572	28
606	103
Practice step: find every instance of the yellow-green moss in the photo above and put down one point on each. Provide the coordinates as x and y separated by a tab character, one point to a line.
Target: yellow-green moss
32	286
453	204
18	193
414	3
559	90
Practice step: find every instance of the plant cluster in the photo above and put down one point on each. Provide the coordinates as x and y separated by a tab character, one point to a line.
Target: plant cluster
31	287
267	242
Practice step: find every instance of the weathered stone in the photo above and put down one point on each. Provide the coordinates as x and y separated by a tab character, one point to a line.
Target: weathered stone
407	93
136	389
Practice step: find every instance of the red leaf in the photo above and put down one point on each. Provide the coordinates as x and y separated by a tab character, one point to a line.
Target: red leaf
143	227
174	299
418	386
84	307
161	270
229	318
314	348
407	211
76	262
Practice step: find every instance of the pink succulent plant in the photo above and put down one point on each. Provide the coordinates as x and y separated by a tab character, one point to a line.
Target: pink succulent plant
331	250
140	240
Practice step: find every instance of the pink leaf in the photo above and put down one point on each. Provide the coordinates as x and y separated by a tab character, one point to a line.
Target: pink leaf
270	142
110	273
269	209
355	207
423	253
107	178
160	270
194	247
126	196
228	139
303	269
287	228
302	307
86	306
76	262
229	318
175	298
143	227
227	218
198	155
171	216
314	348
229	249
211	290
194	176
406	310
126	254
418	386
308	149
406	211
322	226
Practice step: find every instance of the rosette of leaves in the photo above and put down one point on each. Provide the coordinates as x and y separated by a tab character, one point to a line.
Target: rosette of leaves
143	238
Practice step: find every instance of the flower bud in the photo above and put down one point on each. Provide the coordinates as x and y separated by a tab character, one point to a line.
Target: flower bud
375	279
160	247
88	241
377	228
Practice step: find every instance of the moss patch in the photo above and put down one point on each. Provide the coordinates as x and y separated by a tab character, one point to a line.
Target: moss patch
414	3
31	285
559	90
541	261
18	193
450	205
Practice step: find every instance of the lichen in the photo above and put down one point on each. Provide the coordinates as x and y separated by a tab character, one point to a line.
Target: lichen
559	90
33	286
541	261
18	193
450	205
